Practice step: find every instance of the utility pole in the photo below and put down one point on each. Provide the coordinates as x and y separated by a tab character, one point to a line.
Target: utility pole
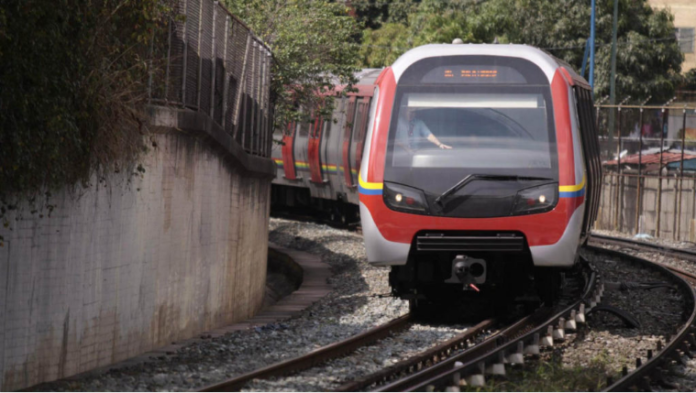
612	77
592	43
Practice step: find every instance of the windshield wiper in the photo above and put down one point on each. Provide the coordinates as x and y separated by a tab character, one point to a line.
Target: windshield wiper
469	178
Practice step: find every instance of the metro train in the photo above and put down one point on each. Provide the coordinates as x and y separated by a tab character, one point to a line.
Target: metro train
475	168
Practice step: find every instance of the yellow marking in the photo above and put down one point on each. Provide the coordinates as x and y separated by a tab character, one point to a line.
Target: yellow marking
369	186
574	188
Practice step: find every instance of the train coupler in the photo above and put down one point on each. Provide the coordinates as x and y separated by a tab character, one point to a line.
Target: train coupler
468	272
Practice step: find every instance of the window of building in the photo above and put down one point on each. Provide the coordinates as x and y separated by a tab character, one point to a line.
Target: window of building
685	37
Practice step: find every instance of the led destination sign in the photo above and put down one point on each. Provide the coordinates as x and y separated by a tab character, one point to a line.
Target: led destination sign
473	75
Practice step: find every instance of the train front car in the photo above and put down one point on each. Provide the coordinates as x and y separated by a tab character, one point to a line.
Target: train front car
474	177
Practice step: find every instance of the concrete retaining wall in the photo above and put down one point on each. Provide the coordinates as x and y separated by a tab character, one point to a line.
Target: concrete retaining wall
122	267
621	201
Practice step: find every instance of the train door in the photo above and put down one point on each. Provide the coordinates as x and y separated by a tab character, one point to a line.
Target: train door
314	150
288	152
301	143
333	147
356	125
360	131
347	132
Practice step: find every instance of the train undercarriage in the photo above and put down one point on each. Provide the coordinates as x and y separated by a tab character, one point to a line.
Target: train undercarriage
480	270
298	200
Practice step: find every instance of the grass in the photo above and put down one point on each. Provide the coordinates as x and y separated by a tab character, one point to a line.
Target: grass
549	375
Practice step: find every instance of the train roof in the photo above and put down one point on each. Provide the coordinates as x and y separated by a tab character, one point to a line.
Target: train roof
368	76
546	62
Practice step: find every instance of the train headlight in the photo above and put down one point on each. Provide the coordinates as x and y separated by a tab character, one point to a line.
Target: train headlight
403	198
536	199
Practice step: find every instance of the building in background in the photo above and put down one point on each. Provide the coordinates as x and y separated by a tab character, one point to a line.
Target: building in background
684	12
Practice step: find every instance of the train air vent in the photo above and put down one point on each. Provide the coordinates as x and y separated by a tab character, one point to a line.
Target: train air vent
440	242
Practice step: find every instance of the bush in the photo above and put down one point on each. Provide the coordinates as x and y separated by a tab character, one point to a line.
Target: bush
73	89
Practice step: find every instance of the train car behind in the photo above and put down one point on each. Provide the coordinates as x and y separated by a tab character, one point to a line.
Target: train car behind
318	161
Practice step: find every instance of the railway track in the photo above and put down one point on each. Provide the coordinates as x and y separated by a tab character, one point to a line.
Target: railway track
341	348
315	357
683	340
685	254
448	376
471	356
507	347
475	342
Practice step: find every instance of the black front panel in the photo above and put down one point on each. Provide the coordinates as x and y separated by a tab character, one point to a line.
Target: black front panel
472	115
499	242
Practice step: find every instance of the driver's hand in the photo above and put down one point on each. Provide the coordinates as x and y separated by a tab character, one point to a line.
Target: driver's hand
446	147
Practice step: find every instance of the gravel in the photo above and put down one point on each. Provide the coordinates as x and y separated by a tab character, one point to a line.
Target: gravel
681	378
609	341
365	361
357	303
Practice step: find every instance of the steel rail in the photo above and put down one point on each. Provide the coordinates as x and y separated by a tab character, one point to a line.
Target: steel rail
439	353
315	357
681	341
511	343
645	246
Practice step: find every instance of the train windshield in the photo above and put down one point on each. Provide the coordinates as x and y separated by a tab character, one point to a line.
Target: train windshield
441	132
508	132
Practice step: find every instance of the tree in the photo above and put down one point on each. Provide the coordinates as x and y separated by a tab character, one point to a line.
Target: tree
385	45
311	45
372	14
432	21
648	56
648	60
689	82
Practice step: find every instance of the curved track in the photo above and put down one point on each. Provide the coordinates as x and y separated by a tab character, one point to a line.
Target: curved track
508	346
476	344
683	340
476	353
318	356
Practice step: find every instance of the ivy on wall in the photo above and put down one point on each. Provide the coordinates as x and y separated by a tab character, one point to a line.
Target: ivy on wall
73	89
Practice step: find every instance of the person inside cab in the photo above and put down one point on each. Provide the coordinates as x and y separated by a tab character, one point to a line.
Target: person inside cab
411	130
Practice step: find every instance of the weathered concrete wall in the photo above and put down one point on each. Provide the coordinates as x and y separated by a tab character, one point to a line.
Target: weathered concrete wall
124	267
623	196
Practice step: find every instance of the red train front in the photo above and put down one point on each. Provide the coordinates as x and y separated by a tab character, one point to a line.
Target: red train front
480	171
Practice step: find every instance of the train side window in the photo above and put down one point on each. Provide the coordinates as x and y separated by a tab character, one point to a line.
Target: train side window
304	129
360	106
326	127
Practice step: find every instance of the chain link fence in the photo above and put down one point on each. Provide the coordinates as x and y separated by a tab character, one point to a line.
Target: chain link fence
649	160
210	62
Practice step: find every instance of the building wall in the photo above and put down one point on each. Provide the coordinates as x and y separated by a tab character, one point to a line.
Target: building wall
623	197
126	265
684	12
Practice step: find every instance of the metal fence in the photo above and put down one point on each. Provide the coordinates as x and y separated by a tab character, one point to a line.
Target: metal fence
210	62
649	181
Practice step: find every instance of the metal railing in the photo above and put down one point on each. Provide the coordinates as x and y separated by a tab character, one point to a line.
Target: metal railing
210	62
649	180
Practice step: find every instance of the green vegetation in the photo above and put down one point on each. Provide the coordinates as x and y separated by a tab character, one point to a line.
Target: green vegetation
73	81
312	45
690	80
648	61
72	88
549	375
